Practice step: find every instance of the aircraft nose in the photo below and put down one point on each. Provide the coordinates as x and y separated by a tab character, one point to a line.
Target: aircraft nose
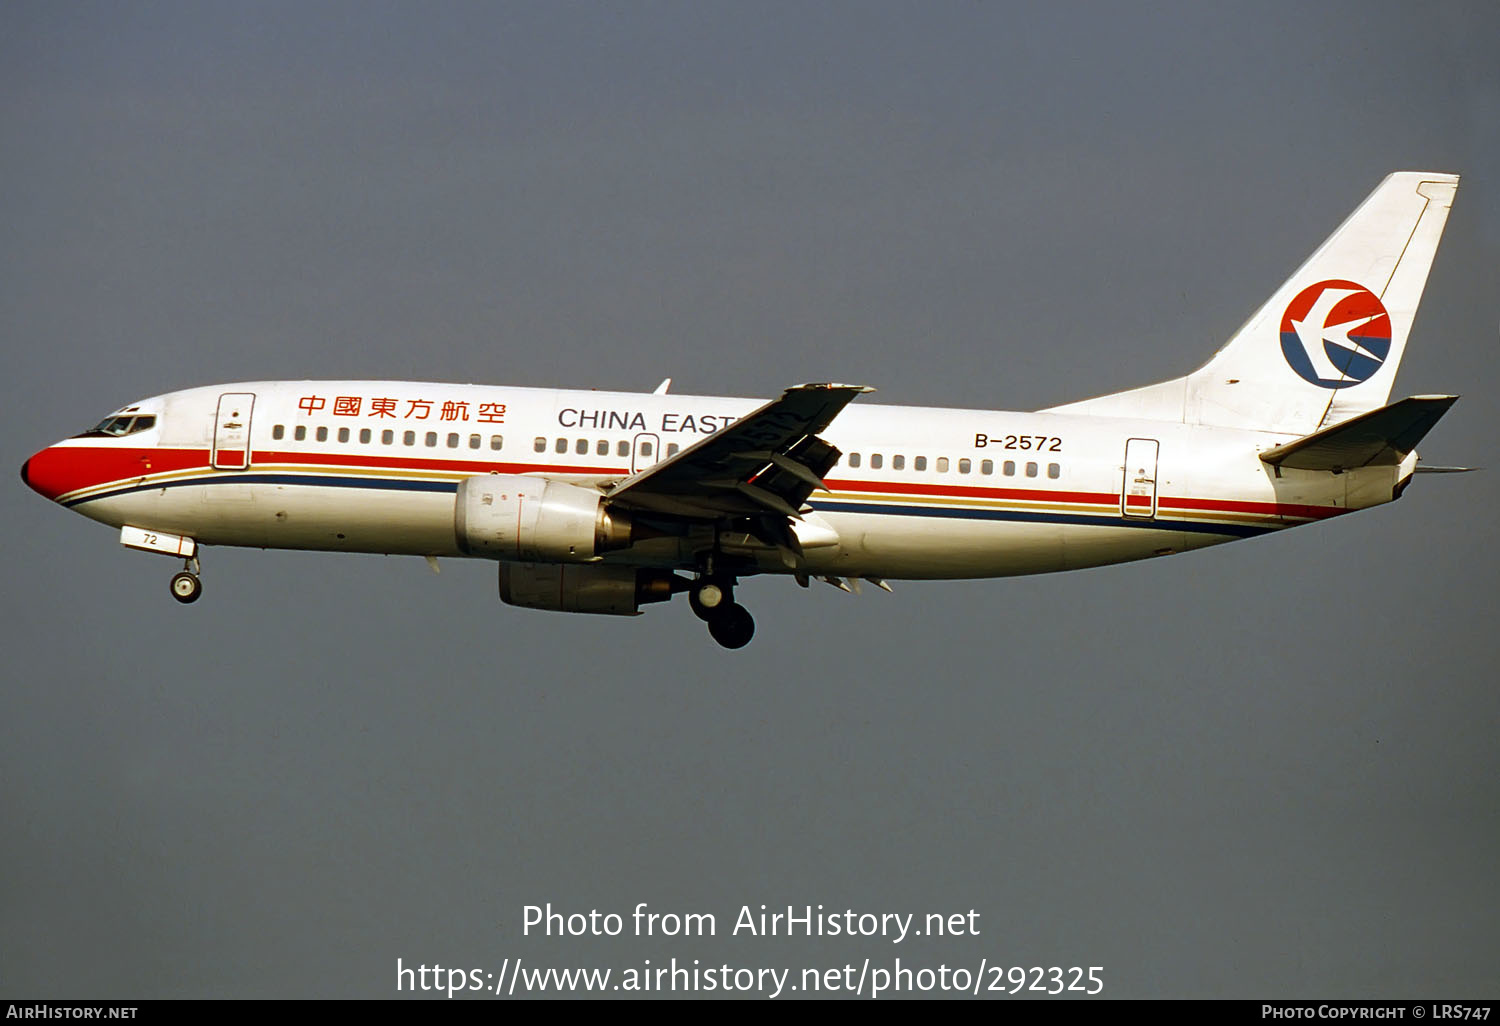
47	473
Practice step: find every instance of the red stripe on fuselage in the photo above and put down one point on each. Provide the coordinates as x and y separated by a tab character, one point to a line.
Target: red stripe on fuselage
970	492
61	469
433	466
1273	509
1285	509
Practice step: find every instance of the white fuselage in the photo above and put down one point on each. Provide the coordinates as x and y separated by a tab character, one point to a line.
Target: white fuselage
373	466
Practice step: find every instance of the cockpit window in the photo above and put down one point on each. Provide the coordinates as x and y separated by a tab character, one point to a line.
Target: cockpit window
114	427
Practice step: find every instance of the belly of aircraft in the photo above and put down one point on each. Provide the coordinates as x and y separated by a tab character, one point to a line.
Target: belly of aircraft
291	516
917	548
902	546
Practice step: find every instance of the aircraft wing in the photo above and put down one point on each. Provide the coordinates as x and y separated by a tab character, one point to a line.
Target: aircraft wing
767	462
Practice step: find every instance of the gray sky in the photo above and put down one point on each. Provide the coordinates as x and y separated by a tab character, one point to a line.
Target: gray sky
1264	769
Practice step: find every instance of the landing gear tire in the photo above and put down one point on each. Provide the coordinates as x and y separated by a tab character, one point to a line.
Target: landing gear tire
708	598
732	626
186	587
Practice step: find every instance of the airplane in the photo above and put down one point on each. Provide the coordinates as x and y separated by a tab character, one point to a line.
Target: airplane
605	502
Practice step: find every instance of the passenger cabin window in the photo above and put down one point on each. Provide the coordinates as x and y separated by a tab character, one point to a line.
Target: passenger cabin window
431	439
387	437
964	466
601	448
1054	471
987	467
581	447
474	441
942	464
646	448
1031	470
622	449
672	449
343	434
540	445
322	434
898	462
278	432
876	461
452	440
1009	468
854	459
364	436
561	447
409	438
919	463
496	442
300	433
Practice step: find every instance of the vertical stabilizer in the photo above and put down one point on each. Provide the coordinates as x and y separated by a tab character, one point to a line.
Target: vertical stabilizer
1325	347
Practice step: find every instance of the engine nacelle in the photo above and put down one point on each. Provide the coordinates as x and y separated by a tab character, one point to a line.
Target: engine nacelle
616	590
532	519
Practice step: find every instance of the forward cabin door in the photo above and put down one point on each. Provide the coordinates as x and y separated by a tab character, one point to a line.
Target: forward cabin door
231	450
1138	489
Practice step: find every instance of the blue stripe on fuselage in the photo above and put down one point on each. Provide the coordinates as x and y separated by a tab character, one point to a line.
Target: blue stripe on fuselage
1024	516
322	481
883	509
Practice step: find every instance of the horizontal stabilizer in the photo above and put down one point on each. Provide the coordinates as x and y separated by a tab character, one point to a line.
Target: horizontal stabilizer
1381	437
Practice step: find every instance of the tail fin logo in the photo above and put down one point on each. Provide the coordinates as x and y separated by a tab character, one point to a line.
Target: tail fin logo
1335	334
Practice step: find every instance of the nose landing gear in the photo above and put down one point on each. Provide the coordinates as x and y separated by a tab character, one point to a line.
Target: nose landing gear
186	587
712	601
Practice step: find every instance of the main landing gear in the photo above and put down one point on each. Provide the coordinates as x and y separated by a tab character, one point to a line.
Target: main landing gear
186	587
712	600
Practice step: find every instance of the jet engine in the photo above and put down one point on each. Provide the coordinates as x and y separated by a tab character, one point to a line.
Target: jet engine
567	588
532	519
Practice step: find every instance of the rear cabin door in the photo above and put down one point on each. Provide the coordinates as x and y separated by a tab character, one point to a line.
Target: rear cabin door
1138	490
231	450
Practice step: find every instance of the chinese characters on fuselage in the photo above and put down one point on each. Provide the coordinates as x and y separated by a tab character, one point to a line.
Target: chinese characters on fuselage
416	409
